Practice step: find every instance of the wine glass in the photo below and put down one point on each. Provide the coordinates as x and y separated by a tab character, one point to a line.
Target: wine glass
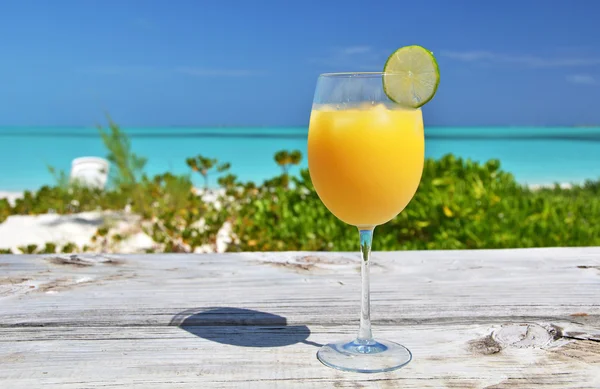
365	156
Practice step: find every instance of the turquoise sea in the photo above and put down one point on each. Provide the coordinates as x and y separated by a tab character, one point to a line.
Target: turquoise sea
533	155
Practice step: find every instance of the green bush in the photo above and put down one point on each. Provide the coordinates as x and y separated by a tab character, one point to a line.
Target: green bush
61	200
275	218
459	205
176	213
5	209
127	166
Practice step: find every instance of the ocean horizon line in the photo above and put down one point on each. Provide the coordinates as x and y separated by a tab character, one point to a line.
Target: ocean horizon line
192	127
594	137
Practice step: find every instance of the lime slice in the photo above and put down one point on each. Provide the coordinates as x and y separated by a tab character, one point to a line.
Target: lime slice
411	76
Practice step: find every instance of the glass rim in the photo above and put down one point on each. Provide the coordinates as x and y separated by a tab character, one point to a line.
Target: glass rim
353	74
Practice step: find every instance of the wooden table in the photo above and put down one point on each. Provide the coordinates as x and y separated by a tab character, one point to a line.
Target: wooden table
473	319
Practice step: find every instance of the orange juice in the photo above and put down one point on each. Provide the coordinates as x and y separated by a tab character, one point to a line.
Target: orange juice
366	163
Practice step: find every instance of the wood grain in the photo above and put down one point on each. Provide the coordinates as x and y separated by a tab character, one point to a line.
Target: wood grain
473	319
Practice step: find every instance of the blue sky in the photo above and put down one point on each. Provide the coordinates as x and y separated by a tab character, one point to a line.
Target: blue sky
203	63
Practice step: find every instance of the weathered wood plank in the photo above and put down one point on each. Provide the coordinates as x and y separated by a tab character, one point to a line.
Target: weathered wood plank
445	357
474	319
322	289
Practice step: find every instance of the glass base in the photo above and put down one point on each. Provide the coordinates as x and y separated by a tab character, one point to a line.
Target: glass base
373	356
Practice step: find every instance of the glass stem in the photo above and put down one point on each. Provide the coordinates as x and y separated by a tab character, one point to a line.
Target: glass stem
365	335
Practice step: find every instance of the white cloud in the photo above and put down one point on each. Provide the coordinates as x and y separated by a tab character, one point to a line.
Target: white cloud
582	79
156	71
213	72
351	58
468	56
352	50
531	61
116	70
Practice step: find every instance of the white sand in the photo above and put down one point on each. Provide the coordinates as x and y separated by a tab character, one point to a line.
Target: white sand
11	196
23	230
563	185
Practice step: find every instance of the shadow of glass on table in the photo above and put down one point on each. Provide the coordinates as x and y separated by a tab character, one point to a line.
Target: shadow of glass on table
241	327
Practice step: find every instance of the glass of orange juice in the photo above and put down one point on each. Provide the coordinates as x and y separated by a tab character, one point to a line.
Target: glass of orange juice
365	156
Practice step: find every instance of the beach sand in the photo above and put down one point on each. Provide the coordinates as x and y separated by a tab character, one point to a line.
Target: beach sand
79	228
23	230
11	196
